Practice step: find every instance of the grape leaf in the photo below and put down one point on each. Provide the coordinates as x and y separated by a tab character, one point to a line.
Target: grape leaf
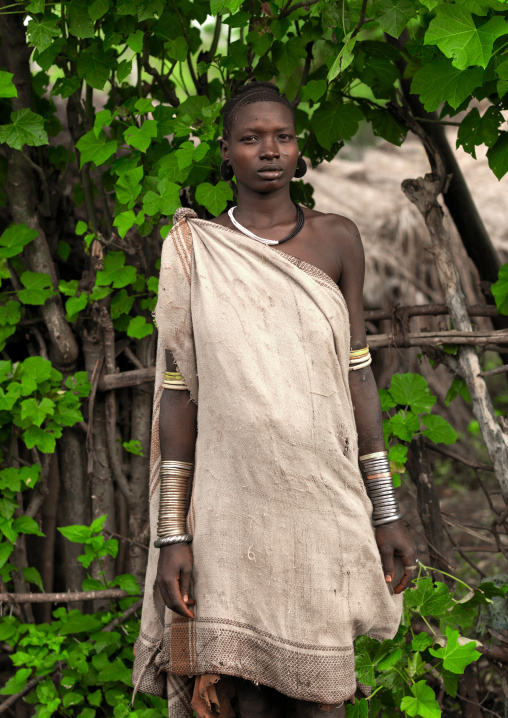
26	128
214	197
500	290
454	31
95	149
219	6
287	55
128	186
396	15
124	221
135	41
422	703
429	599
115	272
7	87
334	121
412	390
80	24
439	81
177	49
404	425
44	440
15	238
313	90
40	33
97	9
498	156
38	288
140	138
139	328
94	65
439	430
27	525
475	130
456	657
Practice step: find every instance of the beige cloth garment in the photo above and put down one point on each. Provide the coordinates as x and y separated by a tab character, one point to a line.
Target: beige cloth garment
286	568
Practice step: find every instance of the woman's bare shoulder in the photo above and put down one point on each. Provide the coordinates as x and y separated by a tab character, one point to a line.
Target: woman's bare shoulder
338	227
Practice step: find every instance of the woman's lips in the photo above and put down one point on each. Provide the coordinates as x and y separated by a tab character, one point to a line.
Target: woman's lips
270	172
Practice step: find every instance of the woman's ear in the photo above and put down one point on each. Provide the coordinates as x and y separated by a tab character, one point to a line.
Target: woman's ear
224	150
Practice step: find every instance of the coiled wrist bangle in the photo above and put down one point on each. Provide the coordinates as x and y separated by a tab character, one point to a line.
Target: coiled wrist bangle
169	540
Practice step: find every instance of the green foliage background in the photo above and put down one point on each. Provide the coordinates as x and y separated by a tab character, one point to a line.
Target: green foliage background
109	119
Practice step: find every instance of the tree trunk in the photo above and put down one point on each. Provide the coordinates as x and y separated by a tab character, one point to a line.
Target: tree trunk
142	398
74	502
428	505
423	193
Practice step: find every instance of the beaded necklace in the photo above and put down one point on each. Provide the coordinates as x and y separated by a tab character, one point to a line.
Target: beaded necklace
299	225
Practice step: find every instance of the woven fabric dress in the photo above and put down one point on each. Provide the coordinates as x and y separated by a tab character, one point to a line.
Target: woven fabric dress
286	568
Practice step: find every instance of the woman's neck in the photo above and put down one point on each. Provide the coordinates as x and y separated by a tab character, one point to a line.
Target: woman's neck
264	210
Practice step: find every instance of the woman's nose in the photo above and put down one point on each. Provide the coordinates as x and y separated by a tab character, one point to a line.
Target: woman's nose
269	150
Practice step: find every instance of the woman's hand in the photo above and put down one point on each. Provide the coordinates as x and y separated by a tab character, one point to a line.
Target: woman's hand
393	539
173	577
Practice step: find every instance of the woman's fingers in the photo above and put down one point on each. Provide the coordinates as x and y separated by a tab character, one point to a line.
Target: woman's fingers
410	570
173	578
185	577
388	564
176	602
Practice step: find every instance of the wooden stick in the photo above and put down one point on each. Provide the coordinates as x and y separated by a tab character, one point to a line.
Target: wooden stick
493	372
436	338
457	457
64	597
425	310
126	379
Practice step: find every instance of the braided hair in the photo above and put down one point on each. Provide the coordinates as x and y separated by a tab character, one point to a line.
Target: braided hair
247	95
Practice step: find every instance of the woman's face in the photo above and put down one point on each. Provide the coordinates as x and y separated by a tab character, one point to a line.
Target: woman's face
262	147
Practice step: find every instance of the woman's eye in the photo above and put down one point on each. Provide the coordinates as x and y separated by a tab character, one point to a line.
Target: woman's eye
286	137
248	138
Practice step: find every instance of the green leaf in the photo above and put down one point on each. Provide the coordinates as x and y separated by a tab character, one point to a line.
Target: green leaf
500	290
439	430
115	272
79	384
287	55
458	387
177	49
124	221
422	703
27	525
167	201
102	119
313	90
475	130
15	238
386	399
219	6
37	368
421	641
387	126
140	138
214	197
121	304
412	390
7	87
135	41
138	328
26	128
128	186
79	623
334	121
38	288
395	15
456	657
16	683
36	6
79	21
127	582
41	438
94	66
37	412
76	533
72	698
429	599
68	410
439	82
133	447
40	33
498	156
398	454
33	576
454	31
344	58
97	9
404	425
124	70
95	149
5	551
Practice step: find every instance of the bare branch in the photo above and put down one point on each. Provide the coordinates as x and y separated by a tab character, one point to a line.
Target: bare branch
288	10
63	597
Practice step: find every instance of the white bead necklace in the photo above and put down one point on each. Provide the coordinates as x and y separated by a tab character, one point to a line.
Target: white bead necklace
247	232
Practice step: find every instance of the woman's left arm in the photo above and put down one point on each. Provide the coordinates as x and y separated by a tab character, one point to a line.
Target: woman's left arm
392	538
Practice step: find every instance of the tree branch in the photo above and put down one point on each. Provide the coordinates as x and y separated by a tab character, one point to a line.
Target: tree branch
288	10
63	597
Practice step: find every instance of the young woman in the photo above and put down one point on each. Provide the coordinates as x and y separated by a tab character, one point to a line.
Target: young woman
285	551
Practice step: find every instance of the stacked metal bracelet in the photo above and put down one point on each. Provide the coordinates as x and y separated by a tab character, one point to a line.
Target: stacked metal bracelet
173	380
174	482
376	472
359	358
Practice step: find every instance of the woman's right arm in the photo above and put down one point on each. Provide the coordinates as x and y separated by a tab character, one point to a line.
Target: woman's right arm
177	433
